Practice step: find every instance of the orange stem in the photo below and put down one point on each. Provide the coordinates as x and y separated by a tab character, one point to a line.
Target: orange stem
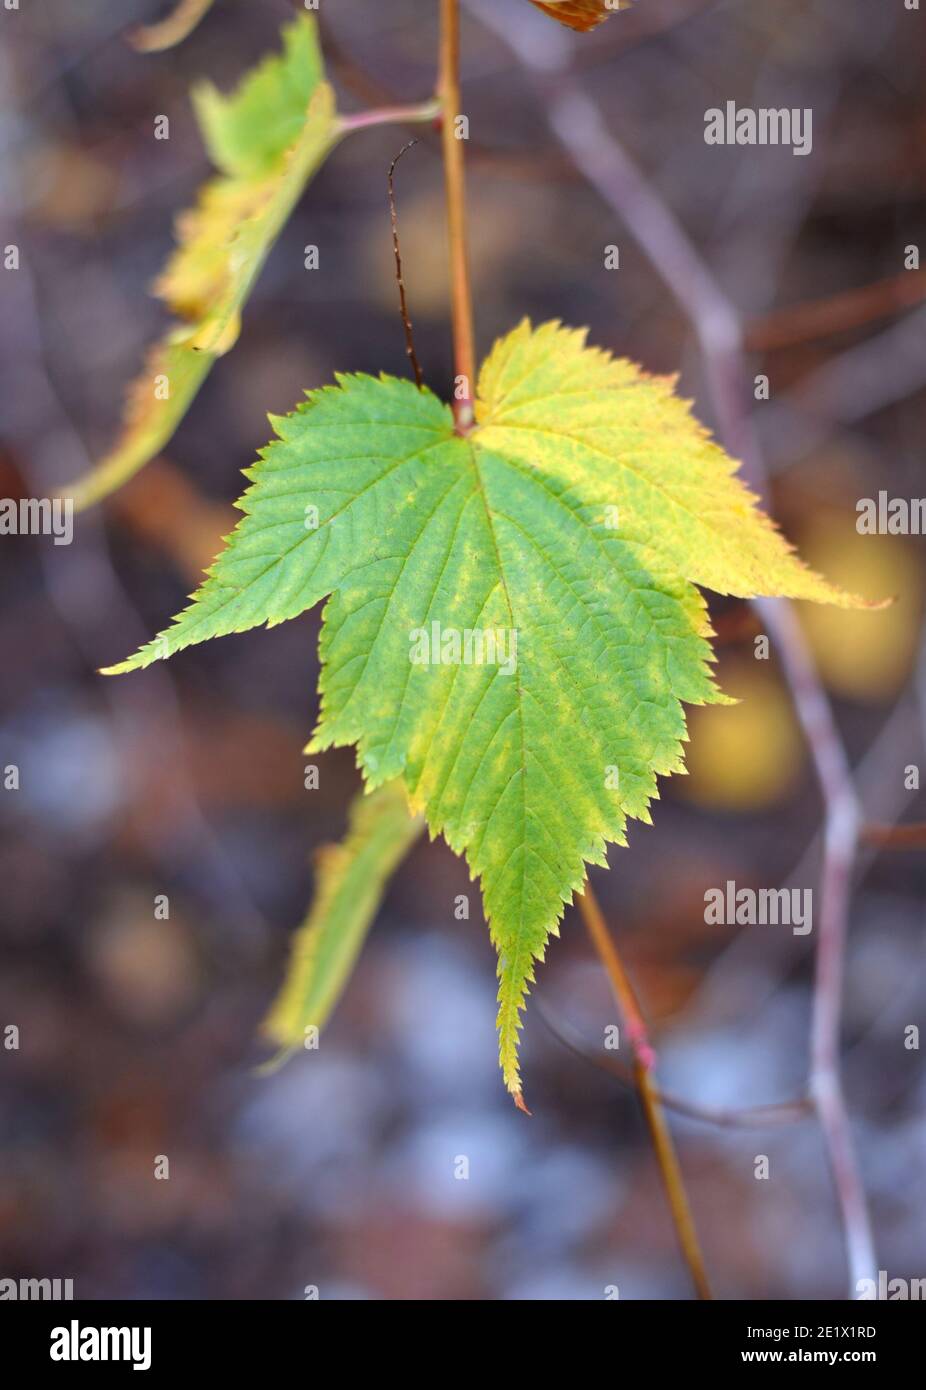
644	1060
448	91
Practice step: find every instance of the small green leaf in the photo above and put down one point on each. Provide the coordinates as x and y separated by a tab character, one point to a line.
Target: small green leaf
512	621
268	139
352	878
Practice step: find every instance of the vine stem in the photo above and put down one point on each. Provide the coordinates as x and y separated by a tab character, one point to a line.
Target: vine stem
644	1060
448	92
418	113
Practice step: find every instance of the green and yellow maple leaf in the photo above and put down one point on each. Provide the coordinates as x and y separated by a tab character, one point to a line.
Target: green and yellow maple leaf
352	877
512	621
267	140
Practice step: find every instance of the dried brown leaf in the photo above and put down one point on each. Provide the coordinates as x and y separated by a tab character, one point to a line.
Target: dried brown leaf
581	15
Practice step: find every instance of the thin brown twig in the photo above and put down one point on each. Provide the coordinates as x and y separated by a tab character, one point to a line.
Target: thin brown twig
403	300
644	1059
909	836
821	318
464	349
749	1117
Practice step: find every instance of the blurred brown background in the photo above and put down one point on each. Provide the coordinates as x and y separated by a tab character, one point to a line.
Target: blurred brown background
137	1035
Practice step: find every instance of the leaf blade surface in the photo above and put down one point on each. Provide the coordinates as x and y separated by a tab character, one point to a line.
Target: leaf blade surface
513	620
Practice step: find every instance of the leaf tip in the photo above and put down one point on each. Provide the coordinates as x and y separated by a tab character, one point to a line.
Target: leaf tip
518	1098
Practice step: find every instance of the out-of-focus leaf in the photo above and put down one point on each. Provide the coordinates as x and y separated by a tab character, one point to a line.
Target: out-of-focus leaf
352	878
748	757
562	540
861	656
251	131
581	15
172	29
268	139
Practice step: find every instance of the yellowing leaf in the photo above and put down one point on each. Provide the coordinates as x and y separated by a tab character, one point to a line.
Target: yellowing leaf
675	490
268	139
351	880
172	29
581	15
512	623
